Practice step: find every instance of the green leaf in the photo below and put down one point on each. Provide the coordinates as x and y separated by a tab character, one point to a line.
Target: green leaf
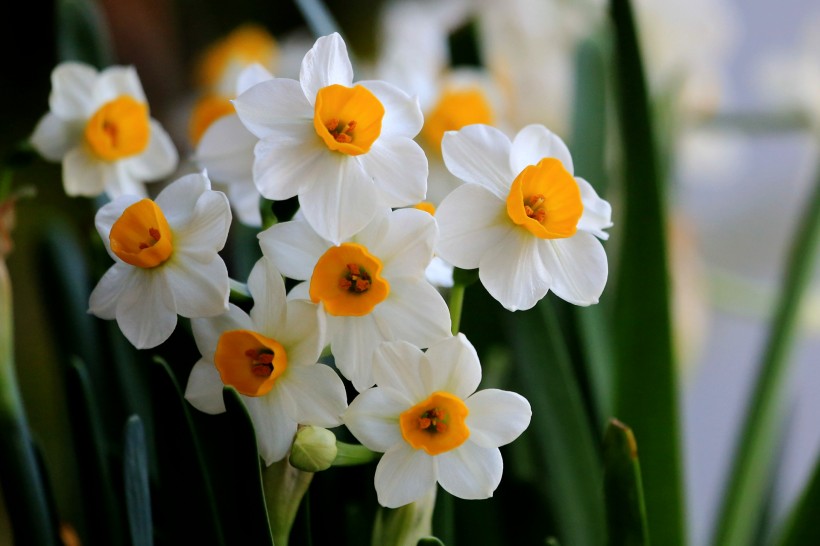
137	491
82	34
429	541
801	527
101	503
755	453
565	450
646	385
626	511
185	507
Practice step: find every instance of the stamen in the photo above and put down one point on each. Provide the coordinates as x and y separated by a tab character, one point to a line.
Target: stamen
433	420
261	362
341	132
356	280
534	207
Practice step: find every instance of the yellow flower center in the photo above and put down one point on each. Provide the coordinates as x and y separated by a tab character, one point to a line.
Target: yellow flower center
545	199
245	45
207	110
456	109
120	128
427	207
249	362
437	424
141	235
348	119
347	279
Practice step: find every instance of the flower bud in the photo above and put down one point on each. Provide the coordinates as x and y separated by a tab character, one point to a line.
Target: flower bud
314	449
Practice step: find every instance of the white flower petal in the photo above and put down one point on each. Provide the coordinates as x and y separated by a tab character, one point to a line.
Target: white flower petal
204	388
275	430
470	471
178	200
402	113
208	330
226	150
479	154
353	340
471	221
415	312
272	103
404	475
373	418
146	313
453	367
72	85
325	64
497	417
396	367
290	159
116	81
341	202
119	181
200	289
597	214
398	167
158	160
244	199
578	266
293	247
104	297
403	240
535	142
315	393
53	137
83	174
250	76
267	288
206	229
301	292
305	334
514	271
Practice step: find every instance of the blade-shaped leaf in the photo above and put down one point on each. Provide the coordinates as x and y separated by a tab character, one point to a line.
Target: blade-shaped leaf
626	511
137	490
646	387
82	34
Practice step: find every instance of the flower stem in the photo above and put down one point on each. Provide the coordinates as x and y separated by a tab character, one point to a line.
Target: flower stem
455	304
284	488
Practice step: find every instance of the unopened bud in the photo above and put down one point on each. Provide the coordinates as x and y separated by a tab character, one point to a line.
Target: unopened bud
314	449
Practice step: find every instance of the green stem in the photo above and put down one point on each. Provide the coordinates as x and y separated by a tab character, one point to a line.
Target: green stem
284	488
455	304
353	454
754	458
22	483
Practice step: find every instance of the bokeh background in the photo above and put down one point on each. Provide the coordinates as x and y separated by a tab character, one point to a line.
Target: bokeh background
740	171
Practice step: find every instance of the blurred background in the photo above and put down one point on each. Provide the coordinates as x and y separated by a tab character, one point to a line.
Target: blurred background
738	89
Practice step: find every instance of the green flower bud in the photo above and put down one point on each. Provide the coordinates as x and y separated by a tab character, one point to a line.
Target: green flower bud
314	449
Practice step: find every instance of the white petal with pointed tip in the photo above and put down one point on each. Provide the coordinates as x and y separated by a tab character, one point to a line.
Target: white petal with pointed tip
115	281
267	287
414	311
291	159
597	215
178	200
53	137
204	388
72	86
83	174
479	154
207	331
116	81
497	417
272	103
325	64
454	367
535	142
403	242
514	271
199	289
314	395
159	158
396	366
373	418
146	313
305	334
402	113
470	471
275	430
578	266
206	229
398	167
293	247
403	475
226	150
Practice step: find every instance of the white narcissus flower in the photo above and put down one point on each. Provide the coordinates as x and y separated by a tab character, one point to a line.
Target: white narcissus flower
270	357
167	261
432	426
98	126
346	150
371	287
226	152
522	219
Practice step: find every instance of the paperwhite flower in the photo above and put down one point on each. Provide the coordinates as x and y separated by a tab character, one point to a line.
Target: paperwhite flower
345	150
166	259
99	127
523	220
270	357
431	424
371	287
226	152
